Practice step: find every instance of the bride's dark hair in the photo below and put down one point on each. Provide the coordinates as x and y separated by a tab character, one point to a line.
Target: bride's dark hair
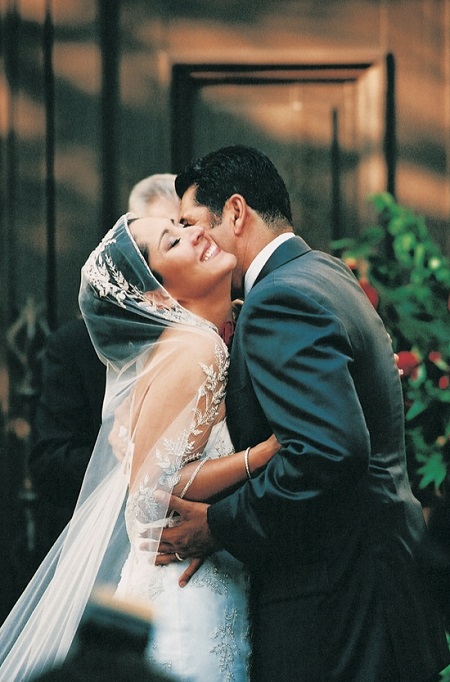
145	251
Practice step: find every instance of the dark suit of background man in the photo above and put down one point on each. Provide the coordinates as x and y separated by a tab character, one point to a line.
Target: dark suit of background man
330	529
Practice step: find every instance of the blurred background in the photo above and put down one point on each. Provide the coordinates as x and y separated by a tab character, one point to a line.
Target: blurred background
347	97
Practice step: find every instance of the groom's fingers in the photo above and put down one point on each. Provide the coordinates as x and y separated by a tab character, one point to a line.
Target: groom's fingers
183	536
173	502
165	559
189	572
154	539
170	558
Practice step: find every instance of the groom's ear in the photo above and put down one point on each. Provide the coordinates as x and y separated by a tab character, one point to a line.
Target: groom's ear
237	210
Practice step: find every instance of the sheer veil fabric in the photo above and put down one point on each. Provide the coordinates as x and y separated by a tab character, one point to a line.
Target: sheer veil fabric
165	366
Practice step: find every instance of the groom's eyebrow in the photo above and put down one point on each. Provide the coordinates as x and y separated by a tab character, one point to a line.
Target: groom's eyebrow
185	221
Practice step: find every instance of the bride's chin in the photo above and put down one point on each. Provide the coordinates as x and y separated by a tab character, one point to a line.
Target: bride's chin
231	262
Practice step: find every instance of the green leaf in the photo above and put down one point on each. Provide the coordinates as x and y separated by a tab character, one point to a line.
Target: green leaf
433	471
412	277
416	408
345	243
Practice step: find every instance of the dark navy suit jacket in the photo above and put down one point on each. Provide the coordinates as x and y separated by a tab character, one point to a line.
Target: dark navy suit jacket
330	529
68	419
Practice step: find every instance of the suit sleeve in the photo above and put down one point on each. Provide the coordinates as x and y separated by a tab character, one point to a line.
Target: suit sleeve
298	358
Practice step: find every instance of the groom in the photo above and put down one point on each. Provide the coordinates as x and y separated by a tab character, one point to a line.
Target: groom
329	530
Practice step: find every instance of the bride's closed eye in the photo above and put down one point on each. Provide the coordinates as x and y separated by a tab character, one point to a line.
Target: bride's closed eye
174	241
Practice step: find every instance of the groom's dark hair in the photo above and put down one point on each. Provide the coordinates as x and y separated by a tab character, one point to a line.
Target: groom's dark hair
237	170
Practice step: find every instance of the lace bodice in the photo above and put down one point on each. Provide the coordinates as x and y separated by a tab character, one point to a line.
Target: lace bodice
178	447
201	632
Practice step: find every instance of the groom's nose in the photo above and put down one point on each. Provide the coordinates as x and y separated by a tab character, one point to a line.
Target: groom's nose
195	233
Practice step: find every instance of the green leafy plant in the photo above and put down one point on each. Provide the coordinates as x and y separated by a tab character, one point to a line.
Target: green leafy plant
407	278
445	674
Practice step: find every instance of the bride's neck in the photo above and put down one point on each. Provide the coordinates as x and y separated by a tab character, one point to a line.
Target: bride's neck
217	313
216	307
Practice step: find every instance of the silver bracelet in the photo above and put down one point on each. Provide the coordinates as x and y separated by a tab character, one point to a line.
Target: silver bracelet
247	468
193	475
191	458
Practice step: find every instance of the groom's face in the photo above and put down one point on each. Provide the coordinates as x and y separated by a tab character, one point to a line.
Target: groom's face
222	229
192	213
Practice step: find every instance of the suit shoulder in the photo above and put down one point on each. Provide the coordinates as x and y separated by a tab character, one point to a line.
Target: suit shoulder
316	276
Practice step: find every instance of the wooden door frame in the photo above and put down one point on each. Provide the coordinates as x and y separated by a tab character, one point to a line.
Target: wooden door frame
189	78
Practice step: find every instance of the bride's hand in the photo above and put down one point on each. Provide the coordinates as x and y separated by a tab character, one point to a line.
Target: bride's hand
261	454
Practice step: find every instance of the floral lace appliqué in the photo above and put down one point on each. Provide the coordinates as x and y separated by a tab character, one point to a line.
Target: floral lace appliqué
212	393
211	577
106	279
226	648
142	508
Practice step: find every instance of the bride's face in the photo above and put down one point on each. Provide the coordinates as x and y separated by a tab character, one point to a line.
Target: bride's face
188	260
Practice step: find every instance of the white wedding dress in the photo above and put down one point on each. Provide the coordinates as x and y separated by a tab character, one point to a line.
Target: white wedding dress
201	631
165	391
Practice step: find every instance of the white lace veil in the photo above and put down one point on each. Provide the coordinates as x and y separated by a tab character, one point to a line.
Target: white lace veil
138	335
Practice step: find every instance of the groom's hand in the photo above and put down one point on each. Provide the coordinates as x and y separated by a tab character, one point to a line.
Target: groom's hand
190	537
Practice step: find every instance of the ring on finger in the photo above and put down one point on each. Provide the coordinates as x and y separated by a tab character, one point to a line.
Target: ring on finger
180	558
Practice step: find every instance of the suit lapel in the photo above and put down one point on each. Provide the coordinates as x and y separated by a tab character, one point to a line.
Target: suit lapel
288	250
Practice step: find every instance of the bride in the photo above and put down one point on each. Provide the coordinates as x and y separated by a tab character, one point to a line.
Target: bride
154	297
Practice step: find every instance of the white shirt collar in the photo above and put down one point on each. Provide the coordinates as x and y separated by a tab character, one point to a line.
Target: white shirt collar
261	259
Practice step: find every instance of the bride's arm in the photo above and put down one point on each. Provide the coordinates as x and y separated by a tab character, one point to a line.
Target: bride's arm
213	476
182	391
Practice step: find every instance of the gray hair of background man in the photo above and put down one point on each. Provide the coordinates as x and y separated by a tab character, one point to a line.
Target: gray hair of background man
155	187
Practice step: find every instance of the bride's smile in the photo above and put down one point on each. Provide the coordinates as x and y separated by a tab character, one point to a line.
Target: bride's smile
188	262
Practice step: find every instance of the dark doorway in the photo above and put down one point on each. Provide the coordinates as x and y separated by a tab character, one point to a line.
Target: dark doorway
323	125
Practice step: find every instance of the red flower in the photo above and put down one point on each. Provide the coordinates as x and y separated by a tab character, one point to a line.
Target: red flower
370	291
444	382
352	263
226	332
409	363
